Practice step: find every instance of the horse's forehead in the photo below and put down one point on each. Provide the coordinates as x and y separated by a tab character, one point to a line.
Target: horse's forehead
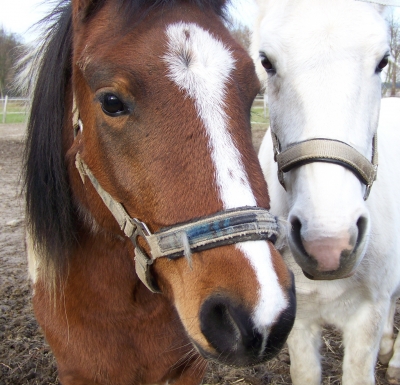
120	38
311	26
150	53
144	45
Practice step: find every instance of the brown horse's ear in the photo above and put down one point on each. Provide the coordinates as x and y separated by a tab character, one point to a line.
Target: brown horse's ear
83	8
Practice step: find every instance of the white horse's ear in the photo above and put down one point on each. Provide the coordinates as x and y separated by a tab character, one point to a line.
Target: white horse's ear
394	3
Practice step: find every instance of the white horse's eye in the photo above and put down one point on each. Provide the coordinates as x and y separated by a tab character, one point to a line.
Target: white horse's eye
266	63
382	64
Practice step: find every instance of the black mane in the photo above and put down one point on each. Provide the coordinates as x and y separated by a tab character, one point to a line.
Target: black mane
51	215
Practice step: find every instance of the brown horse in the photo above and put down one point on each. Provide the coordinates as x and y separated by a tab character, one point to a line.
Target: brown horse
139	154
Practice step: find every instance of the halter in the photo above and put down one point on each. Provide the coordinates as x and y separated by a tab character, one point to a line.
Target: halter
327	150
330	150
223	228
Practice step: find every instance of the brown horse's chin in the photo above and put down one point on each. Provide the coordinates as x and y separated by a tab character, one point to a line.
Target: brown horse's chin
231	360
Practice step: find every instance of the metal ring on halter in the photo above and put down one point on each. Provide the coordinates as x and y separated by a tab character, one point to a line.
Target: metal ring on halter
78	128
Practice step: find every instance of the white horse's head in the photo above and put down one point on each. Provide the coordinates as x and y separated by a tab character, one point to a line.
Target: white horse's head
322	62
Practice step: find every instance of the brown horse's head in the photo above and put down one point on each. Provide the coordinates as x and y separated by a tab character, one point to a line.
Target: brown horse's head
164	97
165	105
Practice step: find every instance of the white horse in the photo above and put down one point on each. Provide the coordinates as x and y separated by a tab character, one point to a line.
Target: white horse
323	60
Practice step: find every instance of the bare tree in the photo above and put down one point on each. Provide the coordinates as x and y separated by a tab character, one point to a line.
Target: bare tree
242	35
8	56
393	69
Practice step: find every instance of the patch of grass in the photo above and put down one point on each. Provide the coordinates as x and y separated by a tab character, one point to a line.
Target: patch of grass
14	118
257	116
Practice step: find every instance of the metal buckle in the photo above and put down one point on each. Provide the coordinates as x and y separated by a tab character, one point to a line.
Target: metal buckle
143	261
281	178
78	127
367	191
277	150
276	145
141	228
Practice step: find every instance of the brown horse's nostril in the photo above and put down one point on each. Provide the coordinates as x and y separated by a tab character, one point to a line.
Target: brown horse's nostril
229	328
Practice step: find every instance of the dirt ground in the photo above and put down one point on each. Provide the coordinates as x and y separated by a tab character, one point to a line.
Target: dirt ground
25	358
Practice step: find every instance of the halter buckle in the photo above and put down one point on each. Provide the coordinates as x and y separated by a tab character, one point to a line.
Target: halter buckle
143	261
276	147
78	127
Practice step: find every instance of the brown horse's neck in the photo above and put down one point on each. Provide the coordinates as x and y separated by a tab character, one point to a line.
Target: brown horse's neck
103	295
108	256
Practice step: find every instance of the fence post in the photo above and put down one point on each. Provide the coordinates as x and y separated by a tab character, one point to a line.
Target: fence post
265	99
5	109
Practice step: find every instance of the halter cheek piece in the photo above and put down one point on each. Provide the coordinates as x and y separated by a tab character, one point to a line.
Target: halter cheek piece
327	150
223	228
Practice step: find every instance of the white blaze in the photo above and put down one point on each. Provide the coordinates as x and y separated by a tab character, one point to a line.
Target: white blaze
201	66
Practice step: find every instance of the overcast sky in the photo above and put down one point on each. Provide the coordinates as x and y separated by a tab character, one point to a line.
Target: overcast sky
19	15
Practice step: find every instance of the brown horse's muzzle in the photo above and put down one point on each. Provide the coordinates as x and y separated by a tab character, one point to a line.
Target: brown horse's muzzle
229	329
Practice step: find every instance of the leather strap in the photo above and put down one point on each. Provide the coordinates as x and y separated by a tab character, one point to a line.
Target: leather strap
116	208
327	150
223	228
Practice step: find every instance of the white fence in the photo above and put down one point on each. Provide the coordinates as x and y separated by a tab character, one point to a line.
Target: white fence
15	108
262	101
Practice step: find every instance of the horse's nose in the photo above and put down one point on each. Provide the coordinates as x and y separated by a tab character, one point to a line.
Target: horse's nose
331	255
230	330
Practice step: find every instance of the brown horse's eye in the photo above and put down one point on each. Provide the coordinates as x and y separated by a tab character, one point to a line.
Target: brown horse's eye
266	63
112	105
382	64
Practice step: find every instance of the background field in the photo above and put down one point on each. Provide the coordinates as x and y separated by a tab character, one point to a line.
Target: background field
13	110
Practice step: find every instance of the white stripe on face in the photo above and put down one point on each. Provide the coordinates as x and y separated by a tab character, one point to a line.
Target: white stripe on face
201	66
